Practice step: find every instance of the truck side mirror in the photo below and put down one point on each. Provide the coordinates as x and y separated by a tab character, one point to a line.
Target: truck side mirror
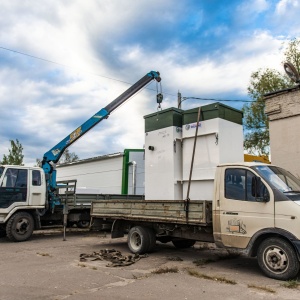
256	186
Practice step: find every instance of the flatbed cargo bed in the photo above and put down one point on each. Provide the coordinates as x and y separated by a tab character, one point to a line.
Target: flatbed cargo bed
84	200
160	211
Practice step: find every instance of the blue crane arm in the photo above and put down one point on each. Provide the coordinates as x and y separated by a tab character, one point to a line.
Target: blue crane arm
51	157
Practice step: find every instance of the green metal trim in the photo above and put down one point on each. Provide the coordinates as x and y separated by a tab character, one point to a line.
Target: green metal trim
164	118
125	170
212	111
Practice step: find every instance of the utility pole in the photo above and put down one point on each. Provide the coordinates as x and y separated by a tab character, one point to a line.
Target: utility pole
179	99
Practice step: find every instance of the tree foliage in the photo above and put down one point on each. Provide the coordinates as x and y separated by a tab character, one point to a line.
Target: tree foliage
292	53
68	157
15	154
263	81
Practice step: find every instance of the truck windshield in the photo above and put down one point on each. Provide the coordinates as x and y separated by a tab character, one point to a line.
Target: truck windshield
282	180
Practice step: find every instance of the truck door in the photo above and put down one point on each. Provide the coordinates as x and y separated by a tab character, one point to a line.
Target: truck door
37	188
14	187
240	214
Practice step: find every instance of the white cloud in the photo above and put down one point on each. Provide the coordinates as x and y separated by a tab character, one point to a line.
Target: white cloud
256	6
286	6
44	102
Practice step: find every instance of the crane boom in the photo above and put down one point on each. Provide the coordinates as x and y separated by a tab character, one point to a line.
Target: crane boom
51	157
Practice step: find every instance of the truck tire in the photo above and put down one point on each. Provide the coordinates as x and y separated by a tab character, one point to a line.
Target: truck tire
19	227
182	244
138	240
277	259
83	224
152	239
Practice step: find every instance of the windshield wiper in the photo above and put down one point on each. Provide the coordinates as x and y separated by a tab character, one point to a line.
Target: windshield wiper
291	191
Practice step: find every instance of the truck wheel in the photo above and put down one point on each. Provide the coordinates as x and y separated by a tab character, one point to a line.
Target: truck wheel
138	240
182	244
19	227
83	224
152	239
277	259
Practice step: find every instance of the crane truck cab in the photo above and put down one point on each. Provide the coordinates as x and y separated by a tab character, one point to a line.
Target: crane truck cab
22	194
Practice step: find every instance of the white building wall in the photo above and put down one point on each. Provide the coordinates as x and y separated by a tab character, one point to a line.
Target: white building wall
102	176
163	167
218	141
283	111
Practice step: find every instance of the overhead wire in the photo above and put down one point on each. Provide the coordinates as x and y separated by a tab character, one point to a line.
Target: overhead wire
212	99
60	64
122	81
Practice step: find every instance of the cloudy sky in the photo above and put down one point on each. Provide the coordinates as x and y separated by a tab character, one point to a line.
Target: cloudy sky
62	61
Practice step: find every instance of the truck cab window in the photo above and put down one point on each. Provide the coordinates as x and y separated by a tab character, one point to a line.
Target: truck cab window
15	178
238	184
10	178
21	179
13	187
36	178
235	184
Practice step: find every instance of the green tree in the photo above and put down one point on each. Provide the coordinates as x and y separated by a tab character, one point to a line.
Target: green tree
68	157
263	81
15	155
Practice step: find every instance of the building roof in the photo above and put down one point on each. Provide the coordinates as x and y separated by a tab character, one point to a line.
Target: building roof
280	92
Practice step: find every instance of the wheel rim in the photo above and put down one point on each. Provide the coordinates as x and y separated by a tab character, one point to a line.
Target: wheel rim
22	226
276	259
135	241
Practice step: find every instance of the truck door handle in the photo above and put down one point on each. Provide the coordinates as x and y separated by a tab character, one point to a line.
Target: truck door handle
230	213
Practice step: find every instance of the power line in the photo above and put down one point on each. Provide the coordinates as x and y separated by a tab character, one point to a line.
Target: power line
212	99
67	66
122	81
60	64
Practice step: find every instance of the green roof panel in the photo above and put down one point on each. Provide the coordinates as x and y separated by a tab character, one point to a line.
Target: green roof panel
163	118
212	111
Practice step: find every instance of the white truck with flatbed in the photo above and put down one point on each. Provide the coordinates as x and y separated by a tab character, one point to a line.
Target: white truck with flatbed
195	191
255	211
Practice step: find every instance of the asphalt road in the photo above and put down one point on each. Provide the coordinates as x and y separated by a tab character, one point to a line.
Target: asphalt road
46	267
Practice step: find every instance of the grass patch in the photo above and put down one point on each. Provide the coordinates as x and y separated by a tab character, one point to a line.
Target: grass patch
176	258
94	268
261	288
214	278
291	284
203	261
165	270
